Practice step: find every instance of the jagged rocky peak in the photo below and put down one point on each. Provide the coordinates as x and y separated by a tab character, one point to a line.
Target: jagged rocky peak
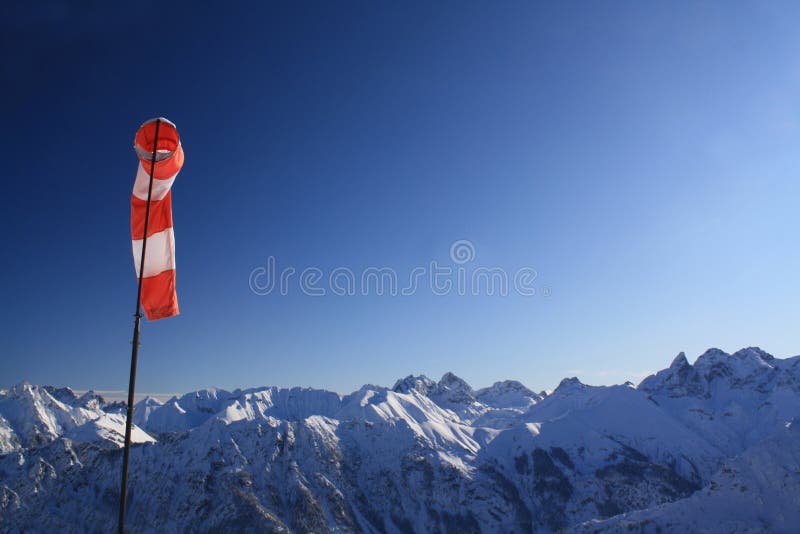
26	392
506	386
64	394
754	353
453	389
679	361
93	401
450	380
714	366
749	363
20	389
89	395
711	356
420	383
680	378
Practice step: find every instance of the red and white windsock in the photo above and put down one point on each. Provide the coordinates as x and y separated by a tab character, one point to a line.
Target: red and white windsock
159	299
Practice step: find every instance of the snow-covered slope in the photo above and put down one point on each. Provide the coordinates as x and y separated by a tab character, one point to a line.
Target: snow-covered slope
32	416
694	447
757	491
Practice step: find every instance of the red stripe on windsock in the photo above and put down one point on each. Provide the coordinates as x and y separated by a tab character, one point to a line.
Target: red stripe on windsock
159	299
160	216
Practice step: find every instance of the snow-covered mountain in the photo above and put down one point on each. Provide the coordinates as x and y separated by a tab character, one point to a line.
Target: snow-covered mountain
32	417
711	447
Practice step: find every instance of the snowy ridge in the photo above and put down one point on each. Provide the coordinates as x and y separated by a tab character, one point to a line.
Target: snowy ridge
32	416
709	446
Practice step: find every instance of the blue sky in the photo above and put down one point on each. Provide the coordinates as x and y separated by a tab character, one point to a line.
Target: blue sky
642	157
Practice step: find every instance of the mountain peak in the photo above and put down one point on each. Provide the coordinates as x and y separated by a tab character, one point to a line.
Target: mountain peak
420	383
64	394
451	380
569	384
31	392
505	386
711	356
745	367
753	353
507	394
679	361
20	388
452	389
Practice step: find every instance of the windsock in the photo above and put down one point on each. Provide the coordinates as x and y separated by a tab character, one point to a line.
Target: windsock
158	297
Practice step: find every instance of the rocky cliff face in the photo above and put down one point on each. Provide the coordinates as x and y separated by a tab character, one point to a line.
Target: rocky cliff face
423	456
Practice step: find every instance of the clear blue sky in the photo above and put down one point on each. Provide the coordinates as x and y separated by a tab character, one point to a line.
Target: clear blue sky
643	157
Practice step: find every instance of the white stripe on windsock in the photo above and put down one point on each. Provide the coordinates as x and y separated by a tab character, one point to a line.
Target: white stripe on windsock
160	253
142	183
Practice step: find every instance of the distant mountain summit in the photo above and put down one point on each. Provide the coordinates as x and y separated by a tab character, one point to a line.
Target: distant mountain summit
715	371
420	383
709	446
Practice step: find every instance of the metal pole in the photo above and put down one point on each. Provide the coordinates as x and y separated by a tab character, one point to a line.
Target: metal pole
135	351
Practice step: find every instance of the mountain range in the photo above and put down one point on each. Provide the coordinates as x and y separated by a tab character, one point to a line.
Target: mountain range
712	446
